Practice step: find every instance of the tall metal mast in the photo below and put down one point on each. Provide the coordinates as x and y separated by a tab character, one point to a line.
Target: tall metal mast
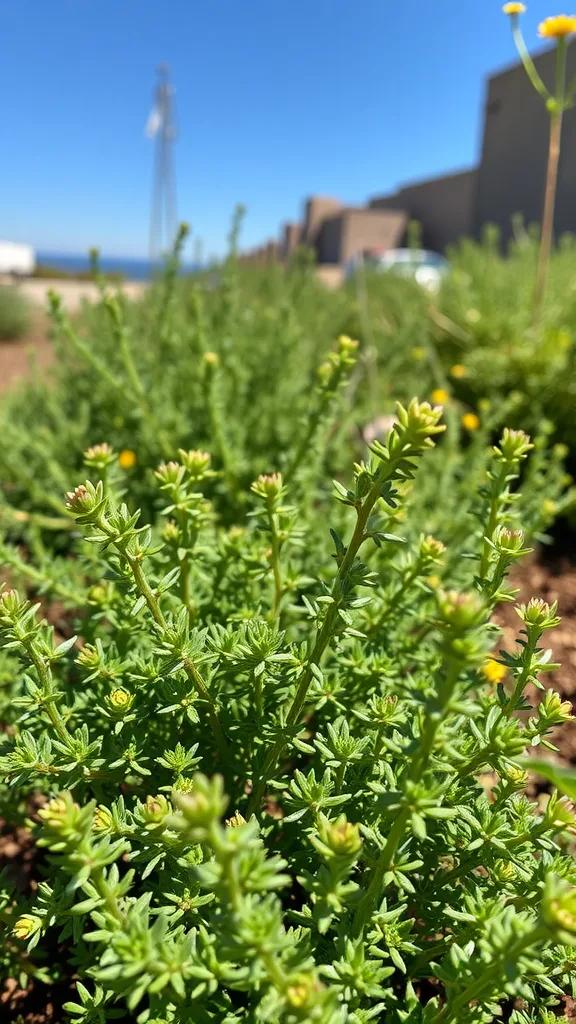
161	126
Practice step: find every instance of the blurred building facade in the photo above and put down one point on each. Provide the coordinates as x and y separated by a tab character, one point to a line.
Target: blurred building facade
508	181
512	170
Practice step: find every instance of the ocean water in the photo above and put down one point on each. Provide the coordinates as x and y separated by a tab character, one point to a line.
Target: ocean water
133	269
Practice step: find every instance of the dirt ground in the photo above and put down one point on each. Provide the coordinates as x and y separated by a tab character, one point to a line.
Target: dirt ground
73	293
15	355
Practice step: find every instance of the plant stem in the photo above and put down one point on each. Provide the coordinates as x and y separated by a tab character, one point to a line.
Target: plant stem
196	677
189	666
417	769
323	635
547	218
185	585
258	694
393	602
123	338
216	426
556	115
384	472
80	347
144	587
450	1012
100	883
45	676
383	864
275	563
433	722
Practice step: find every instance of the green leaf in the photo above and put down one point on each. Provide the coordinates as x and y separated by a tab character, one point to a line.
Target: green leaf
563	778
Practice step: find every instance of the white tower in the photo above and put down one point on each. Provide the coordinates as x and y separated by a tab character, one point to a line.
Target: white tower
161	127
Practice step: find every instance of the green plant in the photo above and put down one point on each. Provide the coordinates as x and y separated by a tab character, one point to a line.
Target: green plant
14	314
557	101
335	859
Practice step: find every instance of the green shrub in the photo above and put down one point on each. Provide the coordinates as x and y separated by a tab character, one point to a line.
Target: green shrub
262	764
14	313
235	362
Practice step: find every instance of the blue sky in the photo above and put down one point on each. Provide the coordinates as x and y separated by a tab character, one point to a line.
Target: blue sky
275	101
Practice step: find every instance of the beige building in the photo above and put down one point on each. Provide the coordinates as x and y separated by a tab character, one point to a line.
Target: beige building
508	181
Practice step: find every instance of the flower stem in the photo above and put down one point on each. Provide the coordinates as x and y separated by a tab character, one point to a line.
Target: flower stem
547	218
451	1011
275	563
189	666
417	769
383	864
325	632
556	108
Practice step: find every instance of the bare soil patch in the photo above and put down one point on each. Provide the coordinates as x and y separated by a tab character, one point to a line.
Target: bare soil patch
552	581
15	355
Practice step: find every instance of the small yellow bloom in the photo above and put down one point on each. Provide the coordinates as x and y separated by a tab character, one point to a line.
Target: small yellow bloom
493	671
418	352
558	27
470	421
514	8
439	396
127	459
26	926
458	371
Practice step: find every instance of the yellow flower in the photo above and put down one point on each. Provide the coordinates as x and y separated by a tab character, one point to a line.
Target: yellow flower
558	27
127	459
26	926
514	8
458	371
470	421
493	671
418	352
439	396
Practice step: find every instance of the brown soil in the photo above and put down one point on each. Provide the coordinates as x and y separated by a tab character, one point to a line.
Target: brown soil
15	355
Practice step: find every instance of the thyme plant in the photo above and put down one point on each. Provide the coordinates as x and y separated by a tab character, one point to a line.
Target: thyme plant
270	784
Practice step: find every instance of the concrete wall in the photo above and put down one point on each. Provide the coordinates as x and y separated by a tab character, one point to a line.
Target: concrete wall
443	206
515	147
317	209
344	234
329	240
371	229
291	235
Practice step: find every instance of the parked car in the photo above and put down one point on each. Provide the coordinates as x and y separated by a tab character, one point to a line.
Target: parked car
17	260
427	268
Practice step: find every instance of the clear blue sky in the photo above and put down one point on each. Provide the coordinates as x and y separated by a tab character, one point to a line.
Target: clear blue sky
275	101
